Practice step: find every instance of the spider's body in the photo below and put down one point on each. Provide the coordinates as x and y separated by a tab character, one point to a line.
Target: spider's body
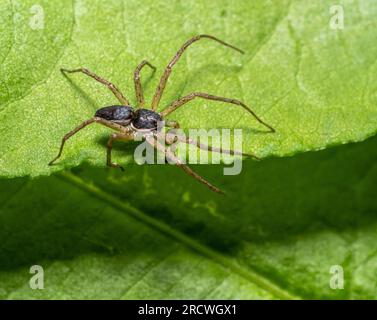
127	121
139	120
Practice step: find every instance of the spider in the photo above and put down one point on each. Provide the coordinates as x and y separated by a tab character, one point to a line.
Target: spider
128	121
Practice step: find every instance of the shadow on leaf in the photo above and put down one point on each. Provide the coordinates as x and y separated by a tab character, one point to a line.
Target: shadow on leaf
272	200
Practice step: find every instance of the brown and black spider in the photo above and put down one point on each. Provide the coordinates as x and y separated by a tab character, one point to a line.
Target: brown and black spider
128	122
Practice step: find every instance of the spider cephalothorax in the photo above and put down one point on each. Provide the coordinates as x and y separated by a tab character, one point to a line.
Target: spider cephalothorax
127	121
145	119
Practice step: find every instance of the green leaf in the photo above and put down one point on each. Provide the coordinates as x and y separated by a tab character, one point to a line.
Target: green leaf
153	233
289	219
315	85
92	247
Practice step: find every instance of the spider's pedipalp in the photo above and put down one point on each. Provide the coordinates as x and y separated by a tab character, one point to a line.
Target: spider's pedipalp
172	124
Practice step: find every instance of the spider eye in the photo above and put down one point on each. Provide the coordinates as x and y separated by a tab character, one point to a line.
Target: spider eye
116	113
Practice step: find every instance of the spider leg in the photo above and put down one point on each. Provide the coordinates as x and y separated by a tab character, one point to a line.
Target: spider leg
173	137
118	94
115	137
170	155
180	102
164	78
82	126
138	88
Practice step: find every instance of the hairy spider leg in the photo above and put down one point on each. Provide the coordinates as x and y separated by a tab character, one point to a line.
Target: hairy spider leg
180	102
164	78
172	137
138	88
104	122
116	137
152	140
118	94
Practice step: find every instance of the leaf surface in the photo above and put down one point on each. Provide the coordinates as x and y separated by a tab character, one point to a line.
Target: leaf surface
315	85
155	233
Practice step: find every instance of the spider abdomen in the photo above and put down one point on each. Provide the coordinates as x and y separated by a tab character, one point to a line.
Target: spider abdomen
145	119
115	113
